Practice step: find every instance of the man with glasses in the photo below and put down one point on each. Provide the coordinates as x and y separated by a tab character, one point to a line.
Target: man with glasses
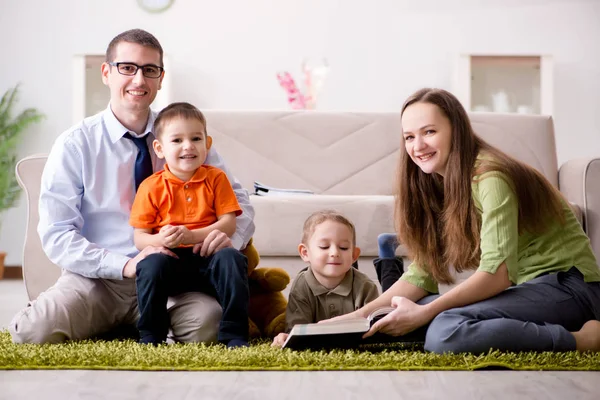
88	187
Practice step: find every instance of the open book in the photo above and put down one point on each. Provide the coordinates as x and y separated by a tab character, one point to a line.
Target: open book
344	333
264	190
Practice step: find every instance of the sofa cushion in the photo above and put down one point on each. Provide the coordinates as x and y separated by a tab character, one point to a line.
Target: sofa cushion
279	220
333	153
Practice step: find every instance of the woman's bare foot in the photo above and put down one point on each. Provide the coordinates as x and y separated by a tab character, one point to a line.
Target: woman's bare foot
588	337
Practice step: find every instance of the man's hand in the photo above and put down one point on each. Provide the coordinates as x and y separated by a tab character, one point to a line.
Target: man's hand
215	241
279	340
407	317
130	267
174	236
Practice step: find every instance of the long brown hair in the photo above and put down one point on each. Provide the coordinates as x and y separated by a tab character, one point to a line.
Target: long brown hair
436	218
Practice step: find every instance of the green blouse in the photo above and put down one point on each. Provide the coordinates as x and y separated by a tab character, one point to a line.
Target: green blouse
527	255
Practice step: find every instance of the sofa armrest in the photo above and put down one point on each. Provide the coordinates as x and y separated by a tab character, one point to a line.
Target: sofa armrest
39	273
579	182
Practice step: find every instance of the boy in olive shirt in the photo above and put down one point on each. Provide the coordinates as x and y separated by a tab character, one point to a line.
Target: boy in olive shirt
329	286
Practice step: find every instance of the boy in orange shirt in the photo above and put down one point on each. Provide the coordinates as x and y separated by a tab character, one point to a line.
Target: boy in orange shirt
177	208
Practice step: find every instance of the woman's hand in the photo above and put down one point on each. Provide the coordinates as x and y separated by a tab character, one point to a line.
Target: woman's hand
407	317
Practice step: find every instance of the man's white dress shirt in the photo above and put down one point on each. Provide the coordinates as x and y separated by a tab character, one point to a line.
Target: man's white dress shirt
86	196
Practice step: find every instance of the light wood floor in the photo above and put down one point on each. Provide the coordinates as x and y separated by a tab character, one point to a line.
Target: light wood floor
82	384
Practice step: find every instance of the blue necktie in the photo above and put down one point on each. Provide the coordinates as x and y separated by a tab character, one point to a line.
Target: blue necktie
143	161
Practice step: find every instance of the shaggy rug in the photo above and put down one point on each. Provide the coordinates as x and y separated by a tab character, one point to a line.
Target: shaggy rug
128	355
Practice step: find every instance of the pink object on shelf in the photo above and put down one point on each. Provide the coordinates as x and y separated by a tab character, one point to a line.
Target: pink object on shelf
314	74
295	98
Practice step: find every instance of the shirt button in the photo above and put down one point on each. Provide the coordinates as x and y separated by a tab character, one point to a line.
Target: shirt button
186	186
332	307
189	199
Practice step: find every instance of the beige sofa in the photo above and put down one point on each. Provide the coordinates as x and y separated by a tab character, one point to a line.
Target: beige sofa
349	160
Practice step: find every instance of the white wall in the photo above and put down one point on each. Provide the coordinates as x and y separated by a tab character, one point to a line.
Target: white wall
224	54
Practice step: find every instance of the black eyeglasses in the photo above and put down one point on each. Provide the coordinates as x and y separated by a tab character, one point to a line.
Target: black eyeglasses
148	70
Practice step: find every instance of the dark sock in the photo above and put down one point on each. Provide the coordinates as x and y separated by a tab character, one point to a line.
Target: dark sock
150	340
233	343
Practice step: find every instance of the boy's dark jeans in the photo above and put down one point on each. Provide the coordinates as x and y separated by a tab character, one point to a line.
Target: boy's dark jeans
223	275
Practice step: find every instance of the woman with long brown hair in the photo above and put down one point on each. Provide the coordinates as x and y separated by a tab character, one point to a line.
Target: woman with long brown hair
462	204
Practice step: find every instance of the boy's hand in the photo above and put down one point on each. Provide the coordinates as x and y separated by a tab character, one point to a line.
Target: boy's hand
171	236
215	241
187	237
279	340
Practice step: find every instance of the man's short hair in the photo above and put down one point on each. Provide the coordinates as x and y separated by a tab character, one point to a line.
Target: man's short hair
138	36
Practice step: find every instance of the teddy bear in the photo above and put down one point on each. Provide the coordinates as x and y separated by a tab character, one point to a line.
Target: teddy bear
266	311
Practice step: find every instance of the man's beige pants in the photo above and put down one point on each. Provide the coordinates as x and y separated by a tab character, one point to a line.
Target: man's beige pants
77	308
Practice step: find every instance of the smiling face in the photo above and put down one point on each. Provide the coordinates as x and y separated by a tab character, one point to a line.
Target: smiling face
182	143
330	252
427	137
131	95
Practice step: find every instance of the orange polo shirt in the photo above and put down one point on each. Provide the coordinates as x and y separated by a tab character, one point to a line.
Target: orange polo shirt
163	199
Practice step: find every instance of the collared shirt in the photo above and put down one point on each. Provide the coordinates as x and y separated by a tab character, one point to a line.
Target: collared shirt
527	255
87	192
310	302
164	199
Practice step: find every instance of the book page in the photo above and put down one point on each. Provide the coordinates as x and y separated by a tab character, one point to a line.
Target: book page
379	313
343	326
262	189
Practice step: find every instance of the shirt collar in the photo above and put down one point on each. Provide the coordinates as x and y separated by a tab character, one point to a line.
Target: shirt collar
199	176
343	289
116	130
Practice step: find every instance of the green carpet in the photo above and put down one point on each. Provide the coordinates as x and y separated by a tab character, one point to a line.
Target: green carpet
128	355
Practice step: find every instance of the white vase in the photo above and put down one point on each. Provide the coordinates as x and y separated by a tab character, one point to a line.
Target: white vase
500	102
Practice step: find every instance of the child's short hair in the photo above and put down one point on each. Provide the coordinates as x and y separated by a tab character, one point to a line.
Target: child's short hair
177	110
319	217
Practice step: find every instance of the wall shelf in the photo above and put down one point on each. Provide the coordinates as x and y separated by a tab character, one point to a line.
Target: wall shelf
505	83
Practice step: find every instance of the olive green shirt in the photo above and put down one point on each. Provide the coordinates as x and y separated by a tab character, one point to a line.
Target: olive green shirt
310	302
527	255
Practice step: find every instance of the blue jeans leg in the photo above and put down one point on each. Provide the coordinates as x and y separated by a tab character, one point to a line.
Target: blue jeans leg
228	274
387	243
155	276
534	316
